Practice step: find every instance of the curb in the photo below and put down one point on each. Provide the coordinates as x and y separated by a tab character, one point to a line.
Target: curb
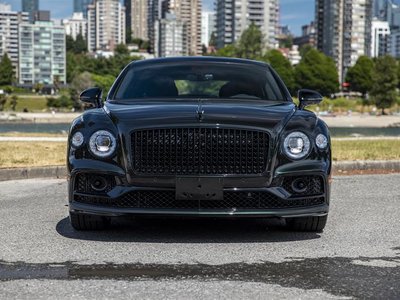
361	165
61	171
35	172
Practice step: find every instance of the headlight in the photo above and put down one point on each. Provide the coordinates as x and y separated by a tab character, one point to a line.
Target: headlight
321	141
102	143
77	139
296	145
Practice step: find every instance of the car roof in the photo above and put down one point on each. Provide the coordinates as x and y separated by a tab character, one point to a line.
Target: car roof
202	59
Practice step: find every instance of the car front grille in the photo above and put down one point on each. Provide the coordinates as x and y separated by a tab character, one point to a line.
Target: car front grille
166	200
199	151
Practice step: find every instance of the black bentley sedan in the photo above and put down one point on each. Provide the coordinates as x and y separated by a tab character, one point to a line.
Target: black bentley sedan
199	136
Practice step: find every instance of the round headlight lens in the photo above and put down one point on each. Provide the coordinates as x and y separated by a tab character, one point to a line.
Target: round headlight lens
321	141
77	139
296	145
102	143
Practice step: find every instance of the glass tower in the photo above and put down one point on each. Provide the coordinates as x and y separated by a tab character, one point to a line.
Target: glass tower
81	6
30	6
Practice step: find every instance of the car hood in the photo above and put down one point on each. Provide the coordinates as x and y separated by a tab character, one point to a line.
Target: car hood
270	115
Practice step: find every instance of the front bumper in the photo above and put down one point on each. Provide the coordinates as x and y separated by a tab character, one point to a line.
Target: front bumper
278	199
320	210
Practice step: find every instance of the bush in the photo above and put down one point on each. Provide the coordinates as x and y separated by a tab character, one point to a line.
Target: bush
60	102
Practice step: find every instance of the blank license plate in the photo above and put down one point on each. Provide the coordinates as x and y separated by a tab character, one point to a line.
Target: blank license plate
197	188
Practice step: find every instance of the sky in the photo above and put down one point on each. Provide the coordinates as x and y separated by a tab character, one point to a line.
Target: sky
294	13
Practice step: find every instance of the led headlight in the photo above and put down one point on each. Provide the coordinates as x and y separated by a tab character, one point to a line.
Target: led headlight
102	144
77	139
296	145
321	141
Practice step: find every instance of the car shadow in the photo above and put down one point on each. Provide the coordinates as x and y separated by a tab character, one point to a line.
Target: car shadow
172	230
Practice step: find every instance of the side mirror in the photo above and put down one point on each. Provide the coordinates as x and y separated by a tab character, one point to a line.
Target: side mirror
308	97
92	97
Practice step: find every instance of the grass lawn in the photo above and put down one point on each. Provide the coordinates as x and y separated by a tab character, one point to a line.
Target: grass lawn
31	103
366	150
30	154
31	134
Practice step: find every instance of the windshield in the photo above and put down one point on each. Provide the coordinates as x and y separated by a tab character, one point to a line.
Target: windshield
199	80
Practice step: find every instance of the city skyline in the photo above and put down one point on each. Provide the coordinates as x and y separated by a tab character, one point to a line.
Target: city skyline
294	13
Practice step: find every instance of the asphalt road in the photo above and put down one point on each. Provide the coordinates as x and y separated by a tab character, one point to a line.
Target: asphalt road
357	256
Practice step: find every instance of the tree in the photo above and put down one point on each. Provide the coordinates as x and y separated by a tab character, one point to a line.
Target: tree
14	102
38	87
282	66
227	51
128	37
6	71
203	49
121	49
103	82
317	71
80	83
385	82
142	44
360	75
213	40
304	49
3	100
250	44
80	44
286	42
76	46
61	102
69	43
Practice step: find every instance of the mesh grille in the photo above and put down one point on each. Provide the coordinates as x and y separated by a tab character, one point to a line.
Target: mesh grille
315	185
166	199
199	151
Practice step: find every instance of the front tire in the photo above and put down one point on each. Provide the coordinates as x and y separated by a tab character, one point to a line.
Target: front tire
87	222
310	224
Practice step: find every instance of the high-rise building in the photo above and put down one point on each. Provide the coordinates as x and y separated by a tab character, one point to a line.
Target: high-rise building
106	25
395	43
235	16
344	31
153	14
136	18
41	15
9	32
380	37
75	25
387	10
225	22
42	53
81	6
30	6
189	12
308	36
170	37
207	26
379	8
